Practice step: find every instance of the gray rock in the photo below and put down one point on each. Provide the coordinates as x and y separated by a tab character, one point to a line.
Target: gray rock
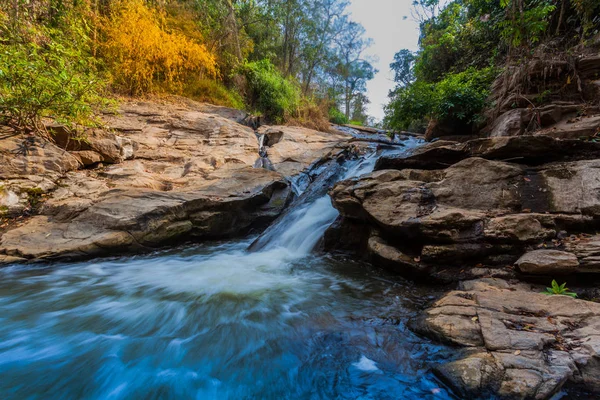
548	262
518	343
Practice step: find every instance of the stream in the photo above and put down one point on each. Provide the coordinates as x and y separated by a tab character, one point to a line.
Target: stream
219	321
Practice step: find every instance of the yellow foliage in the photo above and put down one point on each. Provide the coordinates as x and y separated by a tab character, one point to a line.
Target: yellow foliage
143	55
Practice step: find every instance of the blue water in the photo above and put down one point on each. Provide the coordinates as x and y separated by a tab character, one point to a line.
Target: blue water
212	322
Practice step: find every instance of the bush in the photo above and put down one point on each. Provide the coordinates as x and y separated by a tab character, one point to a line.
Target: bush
269	92
337	117
143	56
42	74
312	114
214	92
458	97
462	96
410	106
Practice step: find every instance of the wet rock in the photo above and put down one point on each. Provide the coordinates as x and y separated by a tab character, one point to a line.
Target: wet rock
518	342
528	150
381	253
292	149
547	262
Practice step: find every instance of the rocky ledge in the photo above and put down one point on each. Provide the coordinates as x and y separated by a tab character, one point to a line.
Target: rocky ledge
515	342
475	208
157	173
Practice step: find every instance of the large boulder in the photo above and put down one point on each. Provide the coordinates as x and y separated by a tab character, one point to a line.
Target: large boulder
518	343
163	173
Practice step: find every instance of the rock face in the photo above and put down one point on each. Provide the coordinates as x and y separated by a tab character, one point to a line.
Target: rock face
162	173
517	342
454	206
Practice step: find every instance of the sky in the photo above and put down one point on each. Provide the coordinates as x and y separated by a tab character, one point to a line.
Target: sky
384	23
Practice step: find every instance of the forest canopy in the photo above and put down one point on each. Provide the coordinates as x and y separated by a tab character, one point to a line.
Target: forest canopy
284	59
465	44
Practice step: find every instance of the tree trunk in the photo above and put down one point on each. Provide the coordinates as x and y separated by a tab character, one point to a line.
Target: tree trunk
233	28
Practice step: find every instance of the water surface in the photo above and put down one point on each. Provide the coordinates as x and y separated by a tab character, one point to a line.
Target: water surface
212	322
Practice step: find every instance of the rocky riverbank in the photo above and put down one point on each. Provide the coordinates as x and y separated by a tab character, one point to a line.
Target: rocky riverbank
158	173
494	216
491	214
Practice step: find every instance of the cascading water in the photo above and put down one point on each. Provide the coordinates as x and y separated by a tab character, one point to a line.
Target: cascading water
216	321
301	229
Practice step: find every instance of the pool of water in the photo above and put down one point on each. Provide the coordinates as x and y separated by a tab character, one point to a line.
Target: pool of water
213	322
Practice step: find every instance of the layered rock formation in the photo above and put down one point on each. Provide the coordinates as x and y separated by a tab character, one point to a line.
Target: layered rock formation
483	213
452	205
515	342
158	173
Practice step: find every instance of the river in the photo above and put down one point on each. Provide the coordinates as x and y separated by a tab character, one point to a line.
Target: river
217	321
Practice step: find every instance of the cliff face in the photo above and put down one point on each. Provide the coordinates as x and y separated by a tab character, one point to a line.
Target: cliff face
158	173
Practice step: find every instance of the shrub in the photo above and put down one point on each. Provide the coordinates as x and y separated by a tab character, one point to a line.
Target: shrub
457	97
410	106
337	117
312	114
269	92
143	56
214	92
462	96
43	74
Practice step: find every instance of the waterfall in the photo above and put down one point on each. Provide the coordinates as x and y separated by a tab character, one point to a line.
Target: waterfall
300	229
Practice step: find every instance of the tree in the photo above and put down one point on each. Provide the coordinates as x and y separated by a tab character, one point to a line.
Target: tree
352	68
402	66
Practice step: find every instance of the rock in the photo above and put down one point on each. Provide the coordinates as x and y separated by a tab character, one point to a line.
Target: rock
175	172
587	251
548	262
292	149
520	228
518	343
508	124
589	66
528	150
5	260
130	220
88	157
474	211
24	155
573	128
456	130
381	253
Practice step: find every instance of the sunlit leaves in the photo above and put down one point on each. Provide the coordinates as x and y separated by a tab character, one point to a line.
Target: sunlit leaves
143	55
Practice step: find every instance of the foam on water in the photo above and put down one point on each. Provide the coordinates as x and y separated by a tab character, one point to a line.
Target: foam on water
214	322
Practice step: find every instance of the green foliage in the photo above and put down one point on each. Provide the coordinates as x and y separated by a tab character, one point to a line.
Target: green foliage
462	96
525	27
410	106
457	97
269	92
44	73
559	289
214	92
337	117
